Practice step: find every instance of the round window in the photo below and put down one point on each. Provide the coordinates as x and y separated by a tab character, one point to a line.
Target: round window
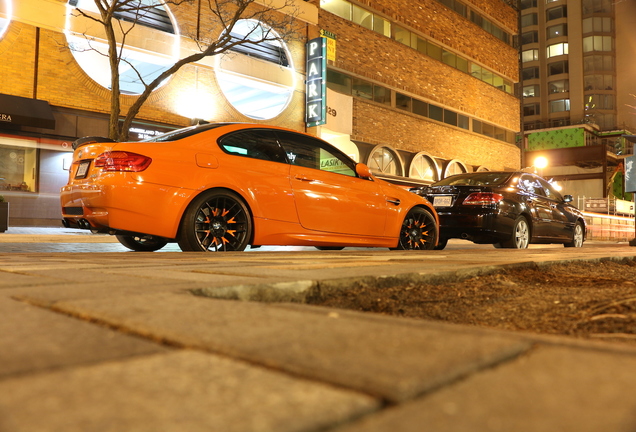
140	64
5	16
257	79
423	167
384	160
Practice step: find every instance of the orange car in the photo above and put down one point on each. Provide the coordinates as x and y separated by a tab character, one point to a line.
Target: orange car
224	186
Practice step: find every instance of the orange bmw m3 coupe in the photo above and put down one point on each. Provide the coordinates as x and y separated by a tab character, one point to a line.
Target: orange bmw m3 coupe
224	186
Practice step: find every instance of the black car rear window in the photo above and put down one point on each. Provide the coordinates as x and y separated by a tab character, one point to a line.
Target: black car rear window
475	179
184	133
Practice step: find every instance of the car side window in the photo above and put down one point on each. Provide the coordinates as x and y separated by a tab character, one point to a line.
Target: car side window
308	152
550	191
258	144
531	185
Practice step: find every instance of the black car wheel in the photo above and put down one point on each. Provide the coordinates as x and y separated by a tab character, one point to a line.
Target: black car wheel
577	236
441	244
216	221
141	243
520	237
418	231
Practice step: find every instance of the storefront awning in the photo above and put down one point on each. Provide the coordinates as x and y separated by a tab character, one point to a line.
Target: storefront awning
26	112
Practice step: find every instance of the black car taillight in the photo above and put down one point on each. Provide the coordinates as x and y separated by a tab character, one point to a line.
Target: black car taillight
483	198
122	161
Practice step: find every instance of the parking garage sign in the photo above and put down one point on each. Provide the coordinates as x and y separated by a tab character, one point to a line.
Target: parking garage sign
316	84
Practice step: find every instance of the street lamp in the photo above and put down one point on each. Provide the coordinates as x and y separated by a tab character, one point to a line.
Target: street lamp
540	162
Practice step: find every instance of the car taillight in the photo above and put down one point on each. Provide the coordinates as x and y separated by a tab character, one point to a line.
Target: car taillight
122	161
482	198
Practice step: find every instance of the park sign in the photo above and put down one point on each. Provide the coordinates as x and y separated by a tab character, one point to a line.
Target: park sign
316	83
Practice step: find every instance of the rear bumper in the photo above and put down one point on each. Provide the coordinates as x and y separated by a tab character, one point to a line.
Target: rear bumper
124	205
488	227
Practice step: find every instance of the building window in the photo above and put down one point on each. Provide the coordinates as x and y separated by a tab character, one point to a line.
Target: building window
600	101
254	96
530	55
362	17
423	167
490	27
556	13
436	113
403	101
531	109
381	95
420	108
597	43
385	161
339	82
599	82
454	167
597	6
340	8
560	105
529	37
361	88
455	5
557	49
529	20
560	86
557	31
597	25
527	4
530	73
18	166
557	68
91	50
598	63
531	91
5	16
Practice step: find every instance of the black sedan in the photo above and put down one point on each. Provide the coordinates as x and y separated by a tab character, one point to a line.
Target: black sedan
503	208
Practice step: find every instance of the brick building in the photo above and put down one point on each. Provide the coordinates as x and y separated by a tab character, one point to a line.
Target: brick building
418	91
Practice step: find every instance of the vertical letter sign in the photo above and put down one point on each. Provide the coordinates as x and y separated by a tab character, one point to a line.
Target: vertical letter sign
316	84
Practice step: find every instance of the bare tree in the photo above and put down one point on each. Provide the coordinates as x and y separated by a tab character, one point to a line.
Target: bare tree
118	18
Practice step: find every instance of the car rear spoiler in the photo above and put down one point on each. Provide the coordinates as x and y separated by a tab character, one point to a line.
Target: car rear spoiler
89	140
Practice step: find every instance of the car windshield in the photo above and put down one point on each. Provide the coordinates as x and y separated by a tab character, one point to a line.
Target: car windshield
475	179
184	133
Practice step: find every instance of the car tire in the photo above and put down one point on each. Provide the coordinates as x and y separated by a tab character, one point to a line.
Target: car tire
215	221
441	244
418	231
329	248
577	236
520	237
141	243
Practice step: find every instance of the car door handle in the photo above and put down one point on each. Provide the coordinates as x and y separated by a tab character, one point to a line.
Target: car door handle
303	178
393	201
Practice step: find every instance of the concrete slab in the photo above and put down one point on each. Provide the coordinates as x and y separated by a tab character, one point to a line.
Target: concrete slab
396	361
182	391
548	389
33	339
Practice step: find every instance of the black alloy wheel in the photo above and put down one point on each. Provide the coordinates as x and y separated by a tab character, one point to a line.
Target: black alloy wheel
216	221
419	231
141	243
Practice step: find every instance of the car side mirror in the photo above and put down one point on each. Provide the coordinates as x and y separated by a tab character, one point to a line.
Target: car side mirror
363	171
567	198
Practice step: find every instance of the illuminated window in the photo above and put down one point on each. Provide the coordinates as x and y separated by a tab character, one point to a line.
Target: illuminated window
597	43
557	49
140	64
530	55
557	31
340	8
560	86
17	168
5	16
247	85
531	91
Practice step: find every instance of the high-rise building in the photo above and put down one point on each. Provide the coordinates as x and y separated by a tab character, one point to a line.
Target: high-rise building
578	90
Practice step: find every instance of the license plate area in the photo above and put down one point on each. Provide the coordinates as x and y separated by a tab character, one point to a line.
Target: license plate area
443	201
82	169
